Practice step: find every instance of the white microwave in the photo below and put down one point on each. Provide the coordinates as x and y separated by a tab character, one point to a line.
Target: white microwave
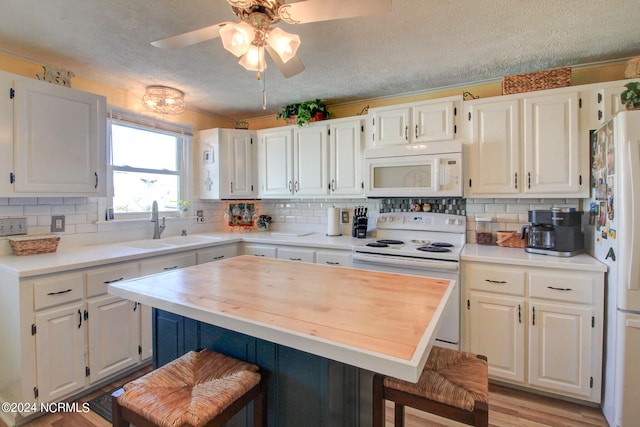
433	170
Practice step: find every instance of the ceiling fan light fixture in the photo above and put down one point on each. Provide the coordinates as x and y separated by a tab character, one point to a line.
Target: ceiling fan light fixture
237	37
163	100
283	43
253	60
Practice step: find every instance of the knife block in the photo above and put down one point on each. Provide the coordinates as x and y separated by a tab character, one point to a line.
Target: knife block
359	229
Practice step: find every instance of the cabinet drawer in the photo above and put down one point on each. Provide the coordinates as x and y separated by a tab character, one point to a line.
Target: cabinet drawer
562	286
260	250
341	258
501	279
50	291
216	254
167	263
297	254
98	280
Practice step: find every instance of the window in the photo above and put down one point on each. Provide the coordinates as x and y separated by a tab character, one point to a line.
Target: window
147	164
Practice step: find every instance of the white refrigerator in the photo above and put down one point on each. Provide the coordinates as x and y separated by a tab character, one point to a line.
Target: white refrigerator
614	234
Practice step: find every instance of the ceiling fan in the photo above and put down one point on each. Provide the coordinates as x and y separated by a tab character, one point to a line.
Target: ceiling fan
250	38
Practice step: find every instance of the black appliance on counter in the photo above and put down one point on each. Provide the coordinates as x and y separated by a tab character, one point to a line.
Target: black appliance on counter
556	232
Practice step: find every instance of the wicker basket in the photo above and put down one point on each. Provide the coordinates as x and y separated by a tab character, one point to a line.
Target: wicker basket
539	80
32	245
510	239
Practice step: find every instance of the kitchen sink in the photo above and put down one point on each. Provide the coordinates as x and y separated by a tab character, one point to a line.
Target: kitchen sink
189	240
148	244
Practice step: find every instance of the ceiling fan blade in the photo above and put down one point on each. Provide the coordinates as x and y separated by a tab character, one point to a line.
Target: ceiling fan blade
191	37
323	10
289	68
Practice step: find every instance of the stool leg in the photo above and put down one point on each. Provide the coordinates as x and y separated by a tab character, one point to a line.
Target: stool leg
116	410
378	401
399	415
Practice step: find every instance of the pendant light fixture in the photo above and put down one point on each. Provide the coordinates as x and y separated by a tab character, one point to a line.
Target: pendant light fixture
163	100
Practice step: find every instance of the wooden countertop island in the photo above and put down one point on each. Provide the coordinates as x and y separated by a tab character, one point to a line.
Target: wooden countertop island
374	321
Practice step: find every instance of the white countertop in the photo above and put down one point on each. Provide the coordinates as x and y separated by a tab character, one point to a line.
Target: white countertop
95	255
518	256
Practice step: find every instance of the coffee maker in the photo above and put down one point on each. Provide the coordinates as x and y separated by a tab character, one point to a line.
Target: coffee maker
554	232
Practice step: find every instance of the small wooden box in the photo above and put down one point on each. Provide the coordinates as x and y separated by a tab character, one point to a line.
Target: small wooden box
510	239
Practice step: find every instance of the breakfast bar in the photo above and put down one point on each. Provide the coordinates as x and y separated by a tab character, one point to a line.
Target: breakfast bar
318	330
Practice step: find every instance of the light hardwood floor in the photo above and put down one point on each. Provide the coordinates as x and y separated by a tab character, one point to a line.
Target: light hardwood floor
507	408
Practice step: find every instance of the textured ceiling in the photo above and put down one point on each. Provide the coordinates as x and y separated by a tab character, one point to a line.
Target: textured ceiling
420	45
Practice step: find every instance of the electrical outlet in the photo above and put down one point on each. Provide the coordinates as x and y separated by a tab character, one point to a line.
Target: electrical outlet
345	217
57	224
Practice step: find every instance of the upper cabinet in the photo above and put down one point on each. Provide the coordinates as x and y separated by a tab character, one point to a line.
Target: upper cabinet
56	143
227	164
527	146
418	122
318	160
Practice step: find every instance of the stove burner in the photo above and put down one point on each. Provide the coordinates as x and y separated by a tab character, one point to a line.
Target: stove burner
390	242
377	245
442	245
433	249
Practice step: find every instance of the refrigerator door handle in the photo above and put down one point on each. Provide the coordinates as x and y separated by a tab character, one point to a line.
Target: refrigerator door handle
633	249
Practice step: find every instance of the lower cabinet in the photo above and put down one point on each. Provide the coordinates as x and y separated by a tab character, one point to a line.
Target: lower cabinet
539	327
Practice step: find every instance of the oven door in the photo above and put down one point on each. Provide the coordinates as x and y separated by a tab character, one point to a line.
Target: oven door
449	332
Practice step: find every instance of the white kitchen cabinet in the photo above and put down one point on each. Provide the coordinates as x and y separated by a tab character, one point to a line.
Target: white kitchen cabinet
527	145
418	122
346	172
334	257
111	320
216	253
275	162
320	159
58	140
259	250
59	332
541	328
310	161
296	254
164	263
494	162
60	347
228	161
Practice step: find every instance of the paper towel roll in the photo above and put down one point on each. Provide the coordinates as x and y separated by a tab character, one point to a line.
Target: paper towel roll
333	222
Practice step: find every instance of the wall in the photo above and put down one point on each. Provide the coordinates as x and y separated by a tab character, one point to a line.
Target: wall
84	216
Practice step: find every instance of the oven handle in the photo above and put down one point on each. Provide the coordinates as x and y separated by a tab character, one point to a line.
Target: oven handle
399	261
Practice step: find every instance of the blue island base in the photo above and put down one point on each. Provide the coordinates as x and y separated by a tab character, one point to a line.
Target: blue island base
303	389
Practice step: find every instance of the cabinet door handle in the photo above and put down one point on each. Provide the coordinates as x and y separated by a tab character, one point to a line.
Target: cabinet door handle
516	181
231	187
416	131
533	317
290	187
406	133
295	259
135	305
333	185
258	254
495	282
559	289
519	314
66	291
297	187
106	282
332	263
96	175
218	257
79	319
170	268
529	180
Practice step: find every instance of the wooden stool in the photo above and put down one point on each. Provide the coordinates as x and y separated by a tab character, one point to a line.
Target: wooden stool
201	388
453	385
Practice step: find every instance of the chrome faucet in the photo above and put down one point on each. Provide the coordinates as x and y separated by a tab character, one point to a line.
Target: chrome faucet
157	228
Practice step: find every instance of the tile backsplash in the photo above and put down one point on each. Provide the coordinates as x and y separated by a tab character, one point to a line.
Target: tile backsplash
84	216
